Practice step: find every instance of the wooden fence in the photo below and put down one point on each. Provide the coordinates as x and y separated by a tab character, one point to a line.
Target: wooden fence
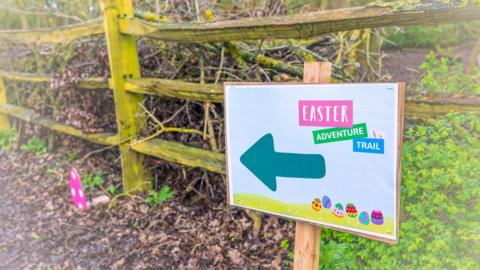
121	28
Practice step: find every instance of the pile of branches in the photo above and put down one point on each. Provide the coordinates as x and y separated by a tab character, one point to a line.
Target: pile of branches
91	111
258	61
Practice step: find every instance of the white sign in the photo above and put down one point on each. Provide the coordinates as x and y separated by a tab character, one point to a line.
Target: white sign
321	153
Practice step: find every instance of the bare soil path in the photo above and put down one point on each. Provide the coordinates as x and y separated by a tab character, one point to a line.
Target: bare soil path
40	229
404	64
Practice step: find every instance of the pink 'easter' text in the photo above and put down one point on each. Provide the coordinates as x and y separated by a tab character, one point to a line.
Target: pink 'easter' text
325	113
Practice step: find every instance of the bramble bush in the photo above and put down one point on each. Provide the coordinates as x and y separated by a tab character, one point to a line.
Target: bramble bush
440	207
442	75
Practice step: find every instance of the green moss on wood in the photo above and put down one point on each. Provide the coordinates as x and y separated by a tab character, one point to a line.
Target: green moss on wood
182	154
34	118
299	26
92	83
85	83
18	76
410	5
56	35
263	61
176	89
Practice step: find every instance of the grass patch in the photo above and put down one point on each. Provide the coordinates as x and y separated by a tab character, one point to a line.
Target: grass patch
157	198
6	139
35	145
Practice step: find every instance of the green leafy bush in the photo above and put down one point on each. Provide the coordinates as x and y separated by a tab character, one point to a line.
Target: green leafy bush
112	190
446	35
35	145
442	75
91	182
336	256
440	205
285	244
156	198
6	138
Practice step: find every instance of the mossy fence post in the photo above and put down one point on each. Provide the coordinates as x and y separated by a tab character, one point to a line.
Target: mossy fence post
4	124
124	64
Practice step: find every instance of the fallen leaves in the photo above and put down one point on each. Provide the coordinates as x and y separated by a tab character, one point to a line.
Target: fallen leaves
187	232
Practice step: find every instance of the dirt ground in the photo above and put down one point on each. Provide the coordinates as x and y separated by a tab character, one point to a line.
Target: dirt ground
403	64
40	229
195	230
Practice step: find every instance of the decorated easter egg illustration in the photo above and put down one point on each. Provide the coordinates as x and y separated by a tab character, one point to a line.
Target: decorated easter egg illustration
316	204
351	210
377	217
338	210
326	202
364	218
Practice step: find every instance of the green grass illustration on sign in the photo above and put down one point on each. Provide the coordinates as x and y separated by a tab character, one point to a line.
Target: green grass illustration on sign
305	211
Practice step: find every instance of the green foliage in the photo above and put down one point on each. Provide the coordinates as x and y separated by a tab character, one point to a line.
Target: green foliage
446	35
156	198
442	75
72	156
35	236
35	145
290	255
6	139
112	190
285	244
91	182
439	204
336	256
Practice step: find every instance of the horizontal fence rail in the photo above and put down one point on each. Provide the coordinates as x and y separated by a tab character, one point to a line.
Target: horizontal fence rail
30	116
176	89
416	106
28	77
182	154
440	104
294	26
92	83
87	83
59	35
169	151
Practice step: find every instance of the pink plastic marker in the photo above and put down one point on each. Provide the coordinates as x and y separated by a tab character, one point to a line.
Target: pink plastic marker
76	189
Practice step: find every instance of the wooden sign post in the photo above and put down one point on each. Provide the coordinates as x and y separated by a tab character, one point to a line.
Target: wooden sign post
307	236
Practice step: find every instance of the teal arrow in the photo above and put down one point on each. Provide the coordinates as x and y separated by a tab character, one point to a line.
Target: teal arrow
266	164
